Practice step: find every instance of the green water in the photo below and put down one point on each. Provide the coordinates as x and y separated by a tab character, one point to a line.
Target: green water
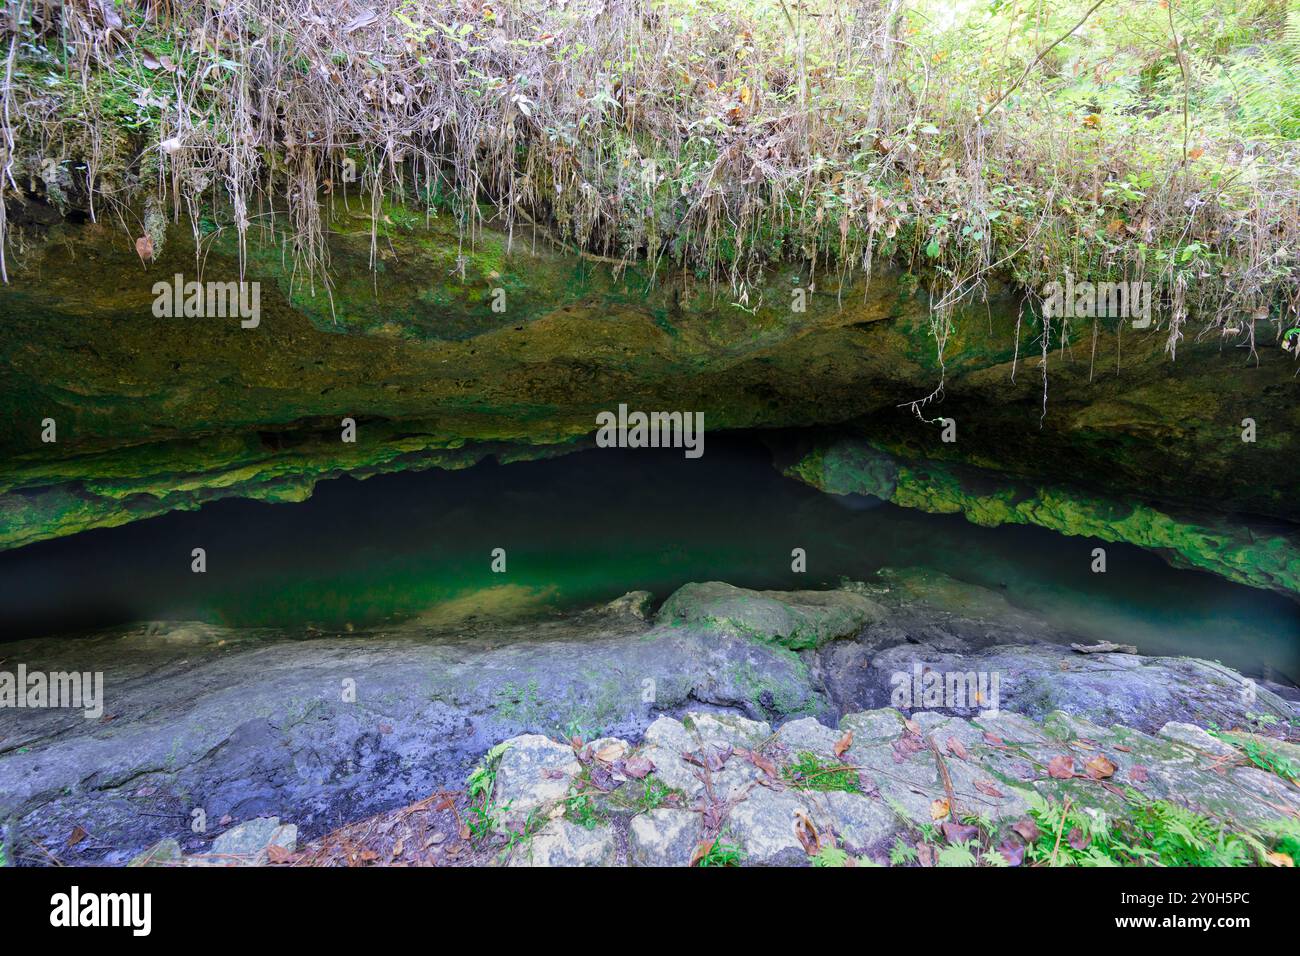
587	527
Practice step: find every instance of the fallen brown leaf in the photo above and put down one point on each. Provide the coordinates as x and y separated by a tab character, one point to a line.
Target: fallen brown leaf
1012	852
1061	768
844	743
638	767
278	854
806	832
764	764
610	752
1100	767
959	832
1027	829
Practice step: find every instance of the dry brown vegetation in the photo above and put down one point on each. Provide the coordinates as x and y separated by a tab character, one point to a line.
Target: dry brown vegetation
713	136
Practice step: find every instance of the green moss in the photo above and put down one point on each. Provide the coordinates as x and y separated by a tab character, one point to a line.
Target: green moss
1218	546
810	772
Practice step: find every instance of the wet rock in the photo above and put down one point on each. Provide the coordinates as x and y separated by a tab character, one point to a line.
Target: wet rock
249	843
635	604
249	723
1035	679
663	837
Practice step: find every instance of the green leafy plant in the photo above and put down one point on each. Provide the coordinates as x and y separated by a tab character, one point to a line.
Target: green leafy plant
722	854
1152	832
482	815
583	810
830	856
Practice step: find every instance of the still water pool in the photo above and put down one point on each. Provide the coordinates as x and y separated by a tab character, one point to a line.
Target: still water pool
589	526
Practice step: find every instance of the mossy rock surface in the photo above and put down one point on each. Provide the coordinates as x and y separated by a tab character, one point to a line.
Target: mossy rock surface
797	620
1206	542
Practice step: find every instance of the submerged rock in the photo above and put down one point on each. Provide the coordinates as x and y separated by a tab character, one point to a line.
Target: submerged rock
795	619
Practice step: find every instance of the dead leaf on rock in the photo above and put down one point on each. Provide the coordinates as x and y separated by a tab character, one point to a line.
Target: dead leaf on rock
1100	767
959	832
610	752
765	764
638	767
1012	852
76	836
907	745
1078	839
807	833
986	787
1279	859
844	743
1137	773
992	739
912	726
716	757
278	854
1061	768
1027	829
940	808
957	748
